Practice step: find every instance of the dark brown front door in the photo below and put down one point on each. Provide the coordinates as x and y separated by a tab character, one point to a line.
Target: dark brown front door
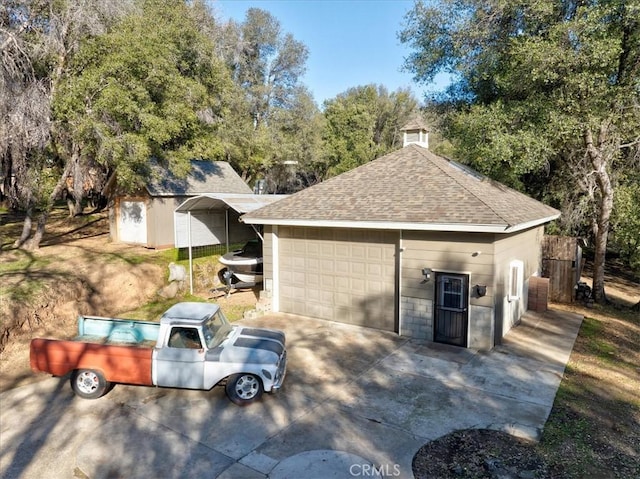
452	309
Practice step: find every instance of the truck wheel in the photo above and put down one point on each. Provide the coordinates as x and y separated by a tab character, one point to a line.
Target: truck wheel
243	389
88	384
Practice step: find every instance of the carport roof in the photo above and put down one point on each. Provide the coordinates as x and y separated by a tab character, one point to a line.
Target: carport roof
411	189
242	203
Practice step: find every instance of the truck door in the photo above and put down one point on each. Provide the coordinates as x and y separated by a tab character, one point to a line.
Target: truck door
180	363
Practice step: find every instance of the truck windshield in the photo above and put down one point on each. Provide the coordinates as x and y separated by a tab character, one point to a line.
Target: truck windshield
216	329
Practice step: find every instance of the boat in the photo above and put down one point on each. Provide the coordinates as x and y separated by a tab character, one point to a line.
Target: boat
243	267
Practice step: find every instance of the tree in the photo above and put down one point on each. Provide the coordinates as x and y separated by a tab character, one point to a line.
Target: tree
38	39
545	89
362	124
266	66
626	221
140	93
295	163
123	97
266	63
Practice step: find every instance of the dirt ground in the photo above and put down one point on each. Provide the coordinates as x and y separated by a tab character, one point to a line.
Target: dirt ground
78	271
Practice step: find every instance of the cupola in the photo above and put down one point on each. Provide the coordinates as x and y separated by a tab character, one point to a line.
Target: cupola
415	132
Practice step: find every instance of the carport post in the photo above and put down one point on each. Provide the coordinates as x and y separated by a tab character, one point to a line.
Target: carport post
226	226
190	254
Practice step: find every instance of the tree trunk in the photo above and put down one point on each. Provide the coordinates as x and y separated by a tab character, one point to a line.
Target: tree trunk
597	157
39	233
34	243
26	229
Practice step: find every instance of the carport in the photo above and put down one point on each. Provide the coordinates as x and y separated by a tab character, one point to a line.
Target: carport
211	219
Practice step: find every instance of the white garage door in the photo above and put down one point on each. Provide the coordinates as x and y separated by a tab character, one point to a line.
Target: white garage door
338	274
132	222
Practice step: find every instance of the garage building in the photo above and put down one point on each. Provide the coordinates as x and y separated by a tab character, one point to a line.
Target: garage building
412	243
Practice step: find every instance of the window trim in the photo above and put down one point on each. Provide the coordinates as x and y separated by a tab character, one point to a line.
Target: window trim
518	267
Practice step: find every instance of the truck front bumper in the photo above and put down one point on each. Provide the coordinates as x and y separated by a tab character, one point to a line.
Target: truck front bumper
280	373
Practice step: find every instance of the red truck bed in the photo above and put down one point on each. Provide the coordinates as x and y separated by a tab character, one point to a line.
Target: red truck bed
119	364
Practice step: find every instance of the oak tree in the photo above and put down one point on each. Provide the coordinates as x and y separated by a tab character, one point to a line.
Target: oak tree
544	90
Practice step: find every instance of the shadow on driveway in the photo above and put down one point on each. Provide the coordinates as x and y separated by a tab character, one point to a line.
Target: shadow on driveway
350	394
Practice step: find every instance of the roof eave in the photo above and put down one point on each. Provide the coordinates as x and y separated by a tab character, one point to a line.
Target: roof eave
530	224
392	225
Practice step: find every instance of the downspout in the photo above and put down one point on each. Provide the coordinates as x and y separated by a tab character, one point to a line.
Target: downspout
275	268
256	230
258	233
399	282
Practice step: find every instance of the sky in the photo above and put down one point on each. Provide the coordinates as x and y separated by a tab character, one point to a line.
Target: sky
351	42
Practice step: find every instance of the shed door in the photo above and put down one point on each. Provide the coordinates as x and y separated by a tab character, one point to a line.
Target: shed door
339	274
132	222
452	311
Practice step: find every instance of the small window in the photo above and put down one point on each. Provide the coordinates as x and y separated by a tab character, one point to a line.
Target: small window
452	292
186	338
515	280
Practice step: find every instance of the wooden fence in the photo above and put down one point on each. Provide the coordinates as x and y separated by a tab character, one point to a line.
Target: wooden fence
562	264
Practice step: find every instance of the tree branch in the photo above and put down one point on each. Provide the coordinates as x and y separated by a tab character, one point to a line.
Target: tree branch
633	143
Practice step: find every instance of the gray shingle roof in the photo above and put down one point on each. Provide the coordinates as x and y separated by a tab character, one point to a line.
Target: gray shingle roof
205	177
410	188
415	123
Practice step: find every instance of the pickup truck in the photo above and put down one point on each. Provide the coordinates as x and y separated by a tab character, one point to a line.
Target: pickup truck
193	346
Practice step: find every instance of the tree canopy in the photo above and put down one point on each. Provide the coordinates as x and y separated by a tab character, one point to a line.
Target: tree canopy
140	93
273	110
362	124
546	98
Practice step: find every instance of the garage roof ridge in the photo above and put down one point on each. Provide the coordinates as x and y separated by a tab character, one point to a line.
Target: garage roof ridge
469	173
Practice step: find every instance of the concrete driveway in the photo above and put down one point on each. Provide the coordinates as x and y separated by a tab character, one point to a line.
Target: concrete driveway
356	403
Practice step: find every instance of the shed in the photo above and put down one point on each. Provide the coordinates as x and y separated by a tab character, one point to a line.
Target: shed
147	217
411	242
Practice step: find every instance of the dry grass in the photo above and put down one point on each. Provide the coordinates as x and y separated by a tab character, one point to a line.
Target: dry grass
594	427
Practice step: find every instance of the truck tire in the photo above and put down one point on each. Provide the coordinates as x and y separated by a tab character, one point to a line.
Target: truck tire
243	389
88	384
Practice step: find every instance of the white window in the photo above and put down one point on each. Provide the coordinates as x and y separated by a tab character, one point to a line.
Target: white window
515	280
452	291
